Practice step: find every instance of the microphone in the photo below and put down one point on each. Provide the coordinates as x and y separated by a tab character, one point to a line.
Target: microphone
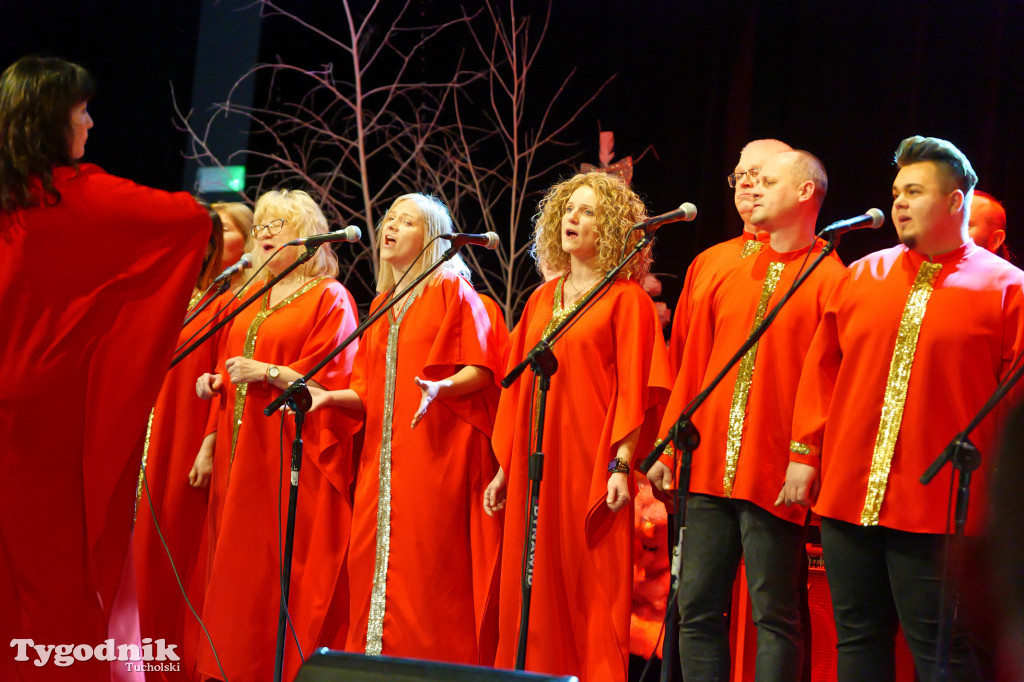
488	240
873	219
348	234
685	212
244	263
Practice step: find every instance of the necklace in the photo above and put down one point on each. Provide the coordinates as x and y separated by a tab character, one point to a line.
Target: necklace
579	291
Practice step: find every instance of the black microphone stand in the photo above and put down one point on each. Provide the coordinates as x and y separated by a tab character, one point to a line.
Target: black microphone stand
543	363
965	458
686	438
300	401
223	286
297	397
303	257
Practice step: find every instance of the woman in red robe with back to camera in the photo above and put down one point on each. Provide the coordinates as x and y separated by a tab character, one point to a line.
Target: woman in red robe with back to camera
95	274
423	557
269	345
172	497
613	376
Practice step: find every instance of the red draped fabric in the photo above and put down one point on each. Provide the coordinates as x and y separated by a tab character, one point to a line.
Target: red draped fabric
438	587
613	376
250	478
94	290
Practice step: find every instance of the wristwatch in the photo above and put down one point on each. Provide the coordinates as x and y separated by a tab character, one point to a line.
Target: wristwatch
618	466
273	372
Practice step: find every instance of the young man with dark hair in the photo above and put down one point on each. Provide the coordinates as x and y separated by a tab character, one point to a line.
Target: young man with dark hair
913	342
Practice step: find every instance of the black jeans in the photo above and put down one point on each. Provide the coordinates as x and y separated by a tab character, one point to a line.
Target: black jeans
718	532
880	577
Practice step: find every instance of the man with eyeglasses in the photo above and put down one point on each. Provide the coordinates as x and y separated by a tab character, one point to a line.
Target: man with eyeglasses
741	462
711	262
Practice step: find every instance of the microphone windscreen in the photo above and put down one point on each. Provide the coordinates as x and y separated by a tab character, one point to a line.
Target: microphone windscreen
877	218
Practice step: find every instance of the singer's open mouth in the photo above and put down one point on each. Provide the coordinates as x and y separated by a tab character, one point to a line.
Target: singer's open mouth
571	233
389	241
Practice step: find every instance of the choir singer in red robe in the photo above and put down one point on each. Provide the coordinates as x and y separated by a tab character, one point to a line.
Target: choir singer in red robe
269	345
95	275
913	341
423	556
613	375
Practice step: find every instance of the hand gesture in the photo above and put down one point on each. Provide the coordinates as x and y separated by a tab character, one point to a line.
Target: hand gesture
208	384
494	494
202	468
660	476
429	390
618	492
245	370
801	486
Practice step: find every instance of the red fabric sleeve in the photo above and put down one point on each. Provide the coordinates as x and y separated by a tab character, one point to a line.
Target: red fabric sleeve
465	338
817	383
336	318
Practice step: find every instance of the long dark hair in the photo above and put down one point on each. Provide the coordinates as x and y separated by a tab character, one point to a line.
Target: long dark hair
36	98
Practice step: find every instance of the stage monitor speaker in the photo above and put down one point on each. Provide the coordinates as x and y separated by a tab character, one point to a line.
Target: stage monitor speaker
333	666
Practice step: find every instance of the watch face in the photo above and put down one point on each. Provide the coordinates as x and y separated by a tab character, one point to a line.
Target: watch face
273	372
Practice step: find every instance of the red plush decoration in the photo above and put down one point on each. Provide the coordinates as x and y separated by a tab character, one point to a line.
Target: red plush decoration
650	571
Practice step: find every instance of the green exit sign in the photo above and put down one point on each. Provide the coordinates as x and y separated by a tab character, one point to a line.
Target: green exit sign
213	179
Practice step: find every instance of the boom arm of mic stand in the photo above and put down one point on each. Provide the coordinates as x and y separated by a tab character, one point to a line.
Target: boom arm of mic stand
961	438
281	399
222	286
754	337
305	256
544	344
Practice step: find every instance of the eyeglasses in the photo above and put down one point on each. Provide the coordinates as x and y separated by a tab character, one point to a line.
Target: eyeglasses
273	228
734	178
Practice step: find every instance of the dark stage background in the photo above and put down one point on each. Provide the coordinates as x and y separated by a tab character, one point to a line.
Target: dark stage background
695	79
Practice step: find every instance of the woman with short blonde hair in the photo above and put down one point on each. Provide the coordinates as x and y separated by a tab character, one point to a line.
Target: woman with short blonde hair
269	345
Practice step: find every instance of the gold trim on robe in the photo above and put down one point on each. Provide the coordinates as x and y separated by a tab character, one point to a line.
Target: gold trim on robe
801	448
558	313
250	346
744	377
896	390
196	296
378	594
751	247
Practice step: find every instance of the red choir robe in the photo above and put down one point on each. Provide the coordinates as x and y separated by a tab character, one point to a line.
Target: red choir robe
971	332
704	269
498	324
761	456
243	593
94	291
175	433
423	556
613	376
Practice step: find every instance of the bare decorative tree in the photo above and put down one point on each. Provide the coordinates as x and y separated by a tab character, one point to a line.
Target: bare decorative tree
508	148
361	134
